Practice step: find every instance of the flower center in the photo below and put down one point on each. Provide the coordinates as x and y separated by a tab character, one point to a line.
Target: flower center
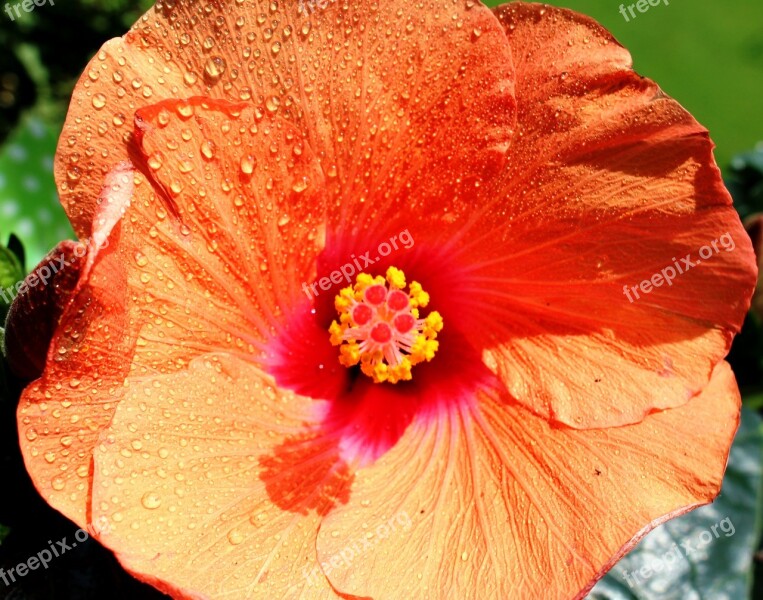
380	326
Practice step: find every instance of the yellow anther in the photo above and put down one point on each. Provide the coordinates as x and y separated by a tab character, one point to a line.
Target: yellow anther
419	298
349	355
344	300
382	332
337	333
433	324
396	278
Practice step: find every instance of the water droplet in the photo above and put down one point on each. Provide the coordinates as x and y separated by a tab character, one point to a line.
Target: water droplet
248	163
151	501
73	173
58	483
214	69
235	537
99	101
259	519
300	186
164	118
273	103
155	161
185	110
208	149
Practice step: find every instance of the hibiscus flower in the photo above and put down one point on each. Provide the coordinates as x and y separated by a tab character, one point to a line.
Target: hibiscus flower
477	412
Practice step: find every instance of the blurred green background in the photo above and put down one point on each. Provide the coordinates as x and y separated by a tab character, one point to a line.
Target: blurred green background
707	54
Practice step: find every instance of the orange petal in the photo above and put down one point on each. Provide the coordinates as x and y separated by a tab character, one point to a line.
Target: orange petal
609	182
191	479
194	269
243	203
182	277
60	414
378	123
497	503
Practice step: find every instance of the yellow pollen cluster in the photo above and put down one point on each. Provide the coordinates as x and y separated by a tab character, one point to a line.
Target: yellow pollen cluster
380	327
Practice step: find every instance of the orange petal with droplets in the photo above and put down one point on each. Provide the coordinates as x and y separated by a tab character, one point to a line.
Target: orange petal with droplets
389	132
496	502
61	414
609	182
206	487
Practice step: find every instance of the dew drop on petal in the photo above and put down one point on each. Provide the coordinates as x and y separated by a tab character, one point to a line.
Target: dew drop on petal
235	537
99	101
214	69
300	185
208	149
273	103
73	173
151	501
247	164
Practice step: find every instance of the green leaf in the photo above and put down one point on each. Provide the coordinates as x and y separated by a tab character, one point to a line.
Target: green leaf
29	205
706	554
16	246
11	271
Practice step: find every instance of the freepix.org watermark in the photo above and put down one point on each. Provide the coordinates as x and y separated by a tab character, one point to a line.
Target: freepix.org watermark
642	6
27	6
359	546
43	274
678	552
679	267
349	269
44	557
